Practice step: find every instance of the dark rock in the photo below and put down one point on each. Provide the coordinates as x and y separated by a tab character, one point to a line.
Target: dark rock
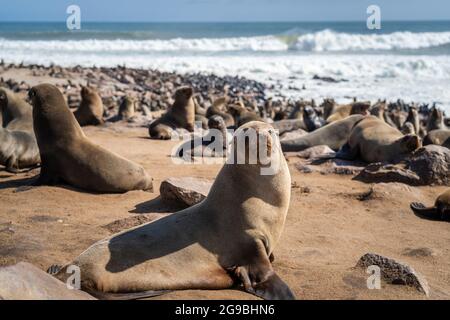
395	272
187	191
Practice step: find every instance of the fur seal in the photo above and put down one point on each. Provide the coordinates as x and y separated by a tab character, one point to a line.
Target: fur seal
241	115
440	211
288	125
333	135
18	150
375	141
68	155
207	146
440	137
16	113
343	111
180	115
436	120
127	108
217	109
413	118
90	111
223	241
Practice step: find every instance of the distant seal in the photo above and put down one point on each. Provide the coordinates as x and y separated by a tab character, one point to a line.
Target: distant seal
90	111
218	107
436	120
16	114
440	137
343	111
440	211
333	135
213	144
223	241
408	128
69	156
18	150
127	108
180	115
288	125
413	118
242	115
372	140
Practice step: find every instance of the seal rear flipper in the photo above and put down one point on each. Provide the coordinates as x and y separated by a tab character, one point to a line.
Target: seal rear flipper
127	296
347	153
421	211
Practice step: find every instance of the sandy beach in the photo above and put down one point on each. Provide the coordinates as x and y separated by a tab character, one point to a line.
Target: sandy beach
332	221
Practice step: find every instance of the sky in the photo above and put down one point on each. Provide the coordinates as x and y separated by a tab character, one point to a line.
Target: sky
222	10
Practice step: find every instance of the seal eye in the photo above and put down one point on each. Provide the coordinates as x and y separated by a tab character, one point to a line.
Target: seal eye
31	94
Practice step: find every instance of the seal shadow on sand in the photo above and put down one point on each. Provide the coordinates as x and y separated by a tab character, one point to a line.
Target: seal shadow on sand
157	205
162	231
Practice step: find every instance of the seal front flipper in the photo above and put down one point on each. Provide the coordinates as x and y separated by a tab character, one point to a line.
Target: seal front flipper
347	153
259	278
423	212
270	288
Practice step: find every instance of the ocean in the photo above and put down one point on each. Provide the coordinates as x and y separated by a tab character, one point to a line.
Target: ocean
403	60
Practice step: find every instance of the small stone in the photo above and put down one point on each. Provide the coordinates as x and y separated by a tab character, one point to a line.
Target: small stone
395	272
188	191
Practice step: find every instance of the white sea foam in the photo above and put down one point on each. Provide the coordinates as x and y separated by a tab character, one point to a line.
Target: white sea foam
414	77
325	40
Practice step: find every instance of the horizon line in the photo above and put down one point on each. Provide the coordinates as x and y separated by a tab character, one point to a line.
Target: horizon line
205	21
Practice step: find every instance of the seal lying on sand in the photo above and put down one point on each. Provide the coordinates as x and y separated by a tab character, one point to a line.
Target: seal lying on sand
373	140
440	211
68	156
242	115
180	115
16	114
342	112
440	137
18	150
90	111
333	135
213	144
223	241
217	109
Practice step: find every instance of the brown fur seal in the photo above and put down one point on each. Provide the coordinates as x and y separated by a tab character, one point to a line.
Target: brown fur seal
342	112
18	150
213	144
16	114
68	156
436	120
440	211
413	118
90	111
223	241
440	137
288	125
241	115
333	135
127	108
375	141
218	109
180	115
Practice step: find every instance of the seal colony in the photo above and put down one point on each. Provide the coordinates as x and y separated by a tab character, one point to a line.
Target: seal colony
227	240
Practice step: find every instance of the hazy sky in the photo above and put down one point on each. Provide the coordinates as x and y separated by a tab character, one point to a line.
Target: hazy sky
223	10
